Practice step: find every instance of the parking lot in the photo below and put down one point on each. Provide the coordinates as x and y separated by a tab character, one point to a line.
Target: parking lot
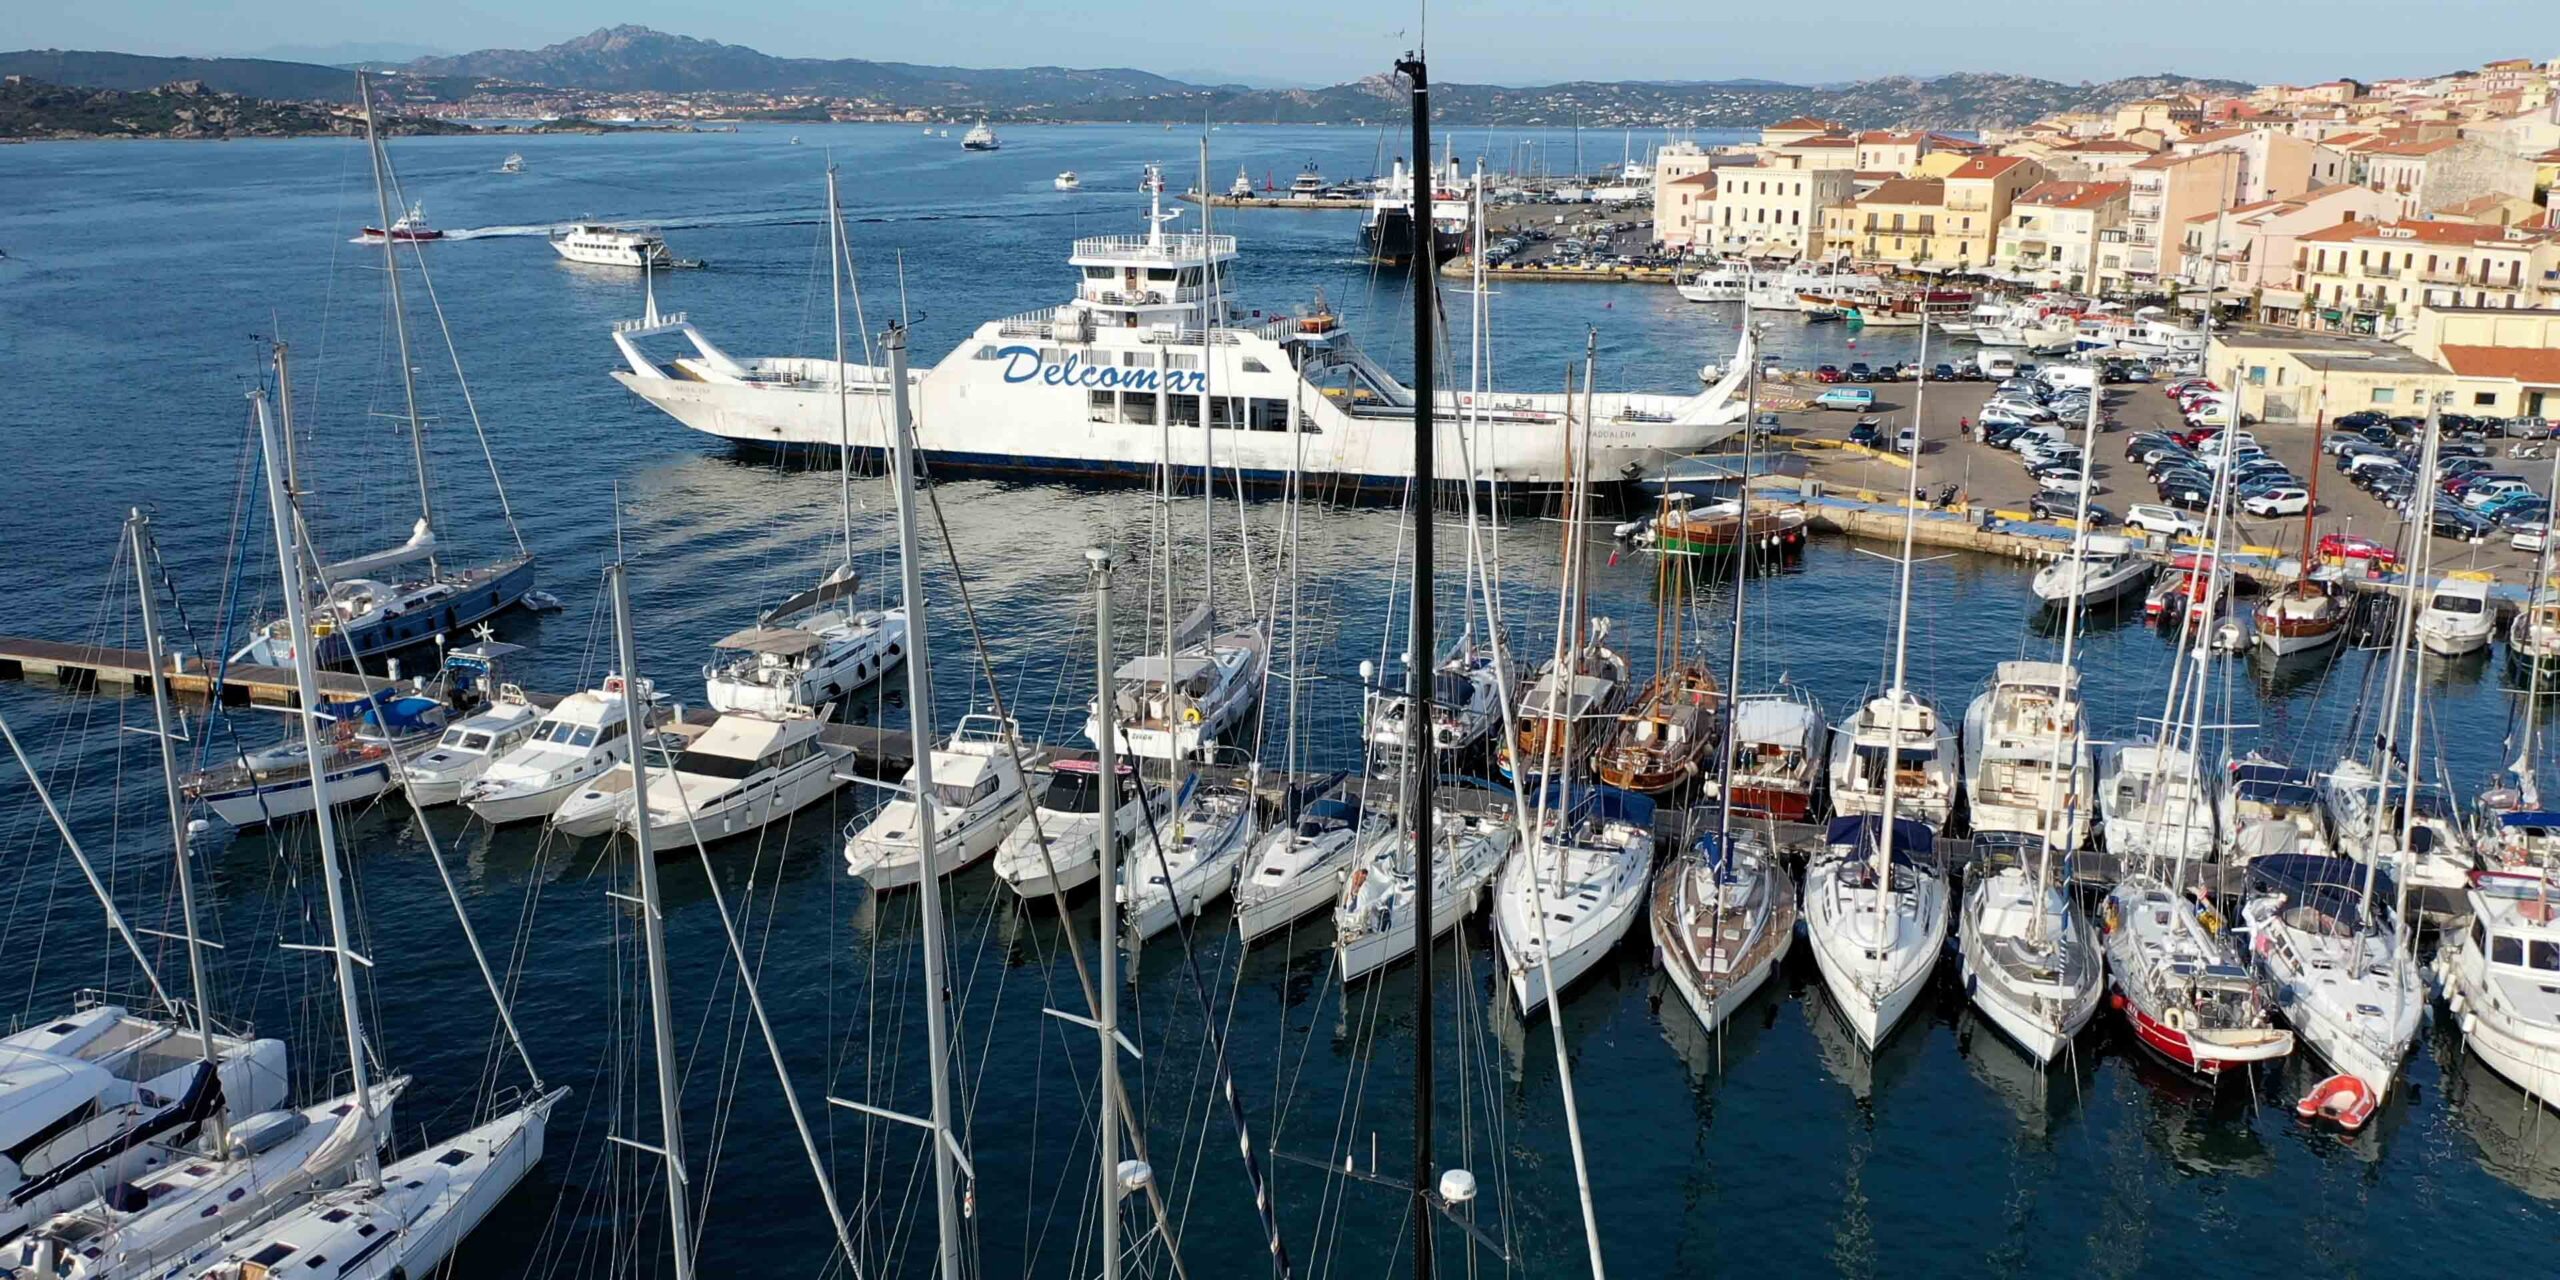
1990	476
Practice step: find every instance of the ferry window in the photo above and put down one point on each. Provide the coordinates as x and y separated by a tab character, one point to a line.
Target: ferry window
613	732
1182	410
1052	355
1097	273
1138	409
2546	955
1307	423
1102	406
1159	274
1270	414
2506	949
1181	360
987	352
1138	359
1252	365
1224	411
2479	935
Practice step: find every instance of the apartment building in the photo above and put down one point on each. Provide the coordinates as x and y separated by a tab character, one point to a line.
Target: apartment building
1775	210
2433	173
2051	237
2374	277
2166	191
1979	194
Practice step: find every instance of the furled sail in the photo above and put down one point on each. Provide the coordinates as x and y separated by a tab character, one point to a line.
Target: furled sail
421	544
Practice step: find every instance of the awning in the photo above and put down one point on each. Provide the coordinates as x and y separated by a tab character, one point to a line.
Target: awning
2281	299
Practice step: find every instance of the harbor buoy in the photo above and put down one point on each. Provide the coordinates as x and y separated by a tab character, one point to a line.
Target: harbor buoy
2342	1098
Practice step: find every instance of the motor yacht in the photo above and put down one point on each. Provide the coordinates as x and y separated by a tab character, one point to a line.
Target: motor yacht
977	798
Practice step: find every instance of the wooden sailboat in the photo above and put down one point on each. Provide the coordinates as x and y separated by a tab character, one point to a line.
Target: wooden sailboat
1586	679
1664	740
2305	615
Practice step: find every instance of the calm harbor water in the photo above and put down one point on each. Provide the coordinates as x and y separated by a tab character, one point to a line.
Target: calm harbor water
140	283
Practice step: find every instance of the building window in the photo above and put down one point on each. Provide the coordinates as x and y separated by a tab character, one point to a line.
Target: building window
2385	395
1270	414
2479	398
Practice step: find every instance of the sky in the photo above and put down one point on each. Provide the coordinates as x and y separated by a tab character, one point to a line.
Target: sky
1490	41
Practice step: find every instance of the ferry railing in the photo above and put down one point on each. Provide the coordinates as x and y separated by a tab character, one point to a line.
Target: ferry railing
1179	246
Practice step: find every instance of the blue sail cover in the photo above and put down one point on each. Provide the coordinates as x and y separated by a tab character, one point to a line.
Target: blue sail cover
1911	837
1600	804
2531	820
2332	885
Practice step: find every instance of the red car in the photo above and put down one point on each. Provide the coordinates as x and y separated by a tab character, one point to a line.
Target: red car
2196	438
1829	373
2339	547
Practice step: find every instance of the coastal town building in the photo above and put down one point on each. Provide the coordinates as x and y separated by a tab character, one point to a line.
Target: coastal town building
1895	225
1682	206
2166	191
2273	165
2290	376
1979	194
2373	277
2434	173
2257	242
2051	238
2504	362
1775	210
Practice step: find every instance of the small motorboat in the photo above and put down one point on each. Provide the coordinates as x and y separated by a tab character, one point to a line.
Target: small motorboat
1068	181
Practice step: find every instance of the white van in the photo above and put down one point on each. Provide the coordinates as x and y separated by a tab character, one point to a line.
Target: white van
1996	364
2057	377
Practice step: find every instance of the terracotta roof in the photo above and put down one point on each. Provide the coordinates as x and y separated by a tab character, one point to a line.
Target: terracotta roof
1822	140
1704	178
2072	195
1874	175
1944	142
2478	204
2408	148
2219	135
2117	146
2444	233
1987	166
1907	191
1889	137
2537	365
1805	122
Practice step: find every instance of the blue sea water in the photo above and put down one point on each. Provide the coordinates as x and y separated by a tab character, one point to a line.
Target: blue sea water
140	284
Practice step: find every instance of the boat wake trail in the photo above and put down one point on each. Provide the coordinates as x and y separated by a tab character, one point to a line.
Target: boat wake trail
752	218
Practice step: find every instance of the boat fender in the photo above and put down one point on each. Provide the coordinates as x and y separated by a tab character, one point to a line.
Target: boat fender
2176	1019
1191	715
2456	1003
2469	1020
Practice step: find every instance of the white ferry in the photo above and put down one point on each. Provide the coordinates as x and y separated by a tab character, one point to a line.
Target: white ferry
1114	379
599	245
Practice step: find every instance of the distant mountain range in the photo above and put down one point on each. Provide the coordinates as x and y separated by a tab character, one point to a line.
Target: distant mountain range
630	59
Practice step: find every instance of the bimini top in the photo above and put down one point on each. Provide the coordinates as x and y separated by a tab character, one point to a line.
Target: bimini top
2333	885
1911	838
2530	820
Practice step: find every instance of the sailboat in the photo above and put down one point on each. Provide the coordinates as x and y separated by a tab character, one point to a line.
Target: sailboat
1724	915
2305	615
405	1217
1296	864
2513	831
1669	734
1069	817
2026	753
355	614
2329	945
1585	680
1175	704
1875	896
816	646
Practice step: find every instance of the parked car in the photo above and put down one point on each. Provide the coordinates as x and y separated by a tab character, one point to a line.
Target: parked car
2529	537
1869	432
2137	373
2186	494
2047	505
2065	480
2001	435
2338	548
2151	518
1859	371
2454	522
2337	442
1942	372
1829	373
2362	418
1857	399
2481	492
1907	441
2277	500
2526	511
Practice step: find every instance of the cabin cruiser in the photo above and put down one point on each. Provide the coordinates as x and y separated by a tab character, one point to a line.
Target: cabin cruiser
2533	639
1777	754
440	774
743	772
2180	979
1242	187
2026	754
85	1098
1297	865
977	798
806	652
1723	282
2366	815
409	228
1308	185
1571	897
1466	700
2270	808
596	244
2458	619
1902	731
1877	920
1722	921
1165	708
1373	921
581	737
2333	957
1177	874
979	138
2028	960
1068	814
2107	567
2153	805
1067	181
1089	387
2499	975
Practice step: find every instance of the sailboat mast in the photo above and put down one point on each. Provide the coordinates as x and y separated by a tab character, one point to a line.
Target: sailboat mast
1741	577
138	533
1421	667
1209	309
1107	988
2527	791
2406	675
844	408
653	932
289	554
2418	684
929	872
2066	760
1895	698
399	313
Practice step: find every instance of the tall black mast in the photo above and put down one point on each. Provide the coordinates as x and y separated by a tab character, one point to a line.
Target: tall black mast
1423	770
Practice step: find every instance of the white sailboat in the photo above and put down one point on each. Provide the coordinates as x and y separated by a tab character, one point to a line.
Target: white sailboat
2330	949
1297	864
1373	921
1875	897
1175	872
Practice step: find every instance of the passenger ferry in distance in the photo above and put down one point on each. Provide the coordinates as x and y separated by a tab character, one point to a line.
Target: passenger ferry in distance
1113	382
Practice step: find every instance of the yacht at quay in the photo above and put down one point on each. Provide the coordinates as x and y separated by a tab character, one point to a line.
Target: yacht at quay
1113	381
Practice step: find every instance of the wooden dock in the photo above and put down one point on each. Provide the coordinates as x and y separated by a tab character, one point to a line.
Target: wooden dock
98	668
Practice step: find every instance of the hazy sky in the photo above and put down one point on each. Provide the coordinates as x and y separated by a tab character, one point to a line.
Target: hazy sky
1503	41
